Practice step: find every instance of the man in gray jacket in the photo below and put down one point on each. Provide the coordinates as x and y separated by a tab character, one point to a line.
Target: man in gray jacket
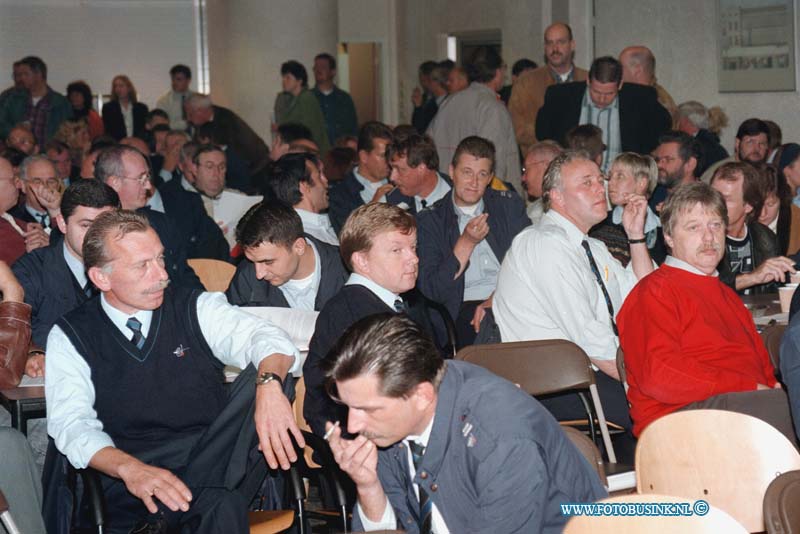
461	450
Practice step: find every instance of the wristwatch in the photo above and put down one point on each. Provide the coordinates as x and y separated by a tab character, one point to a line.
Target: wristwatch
266	378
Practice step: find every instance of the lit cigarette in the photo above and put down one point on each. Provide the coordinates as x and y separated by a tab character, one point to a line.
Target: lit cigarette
329	433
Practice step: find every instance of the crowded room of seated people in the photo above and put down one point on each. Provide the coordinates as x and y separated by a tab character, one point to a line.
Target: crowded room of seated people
471	296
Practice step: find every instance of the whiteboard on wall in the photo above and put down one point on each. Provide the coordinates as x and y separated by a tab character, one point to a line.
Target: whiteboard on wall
94	40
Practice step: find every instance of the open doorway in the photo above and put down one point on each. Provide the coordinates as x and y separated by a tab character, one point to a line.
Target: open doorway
359	74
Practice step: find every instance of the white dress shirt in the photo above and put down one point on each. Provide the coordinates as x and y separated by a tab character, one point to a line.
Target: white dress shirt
127	117
236	338
441	189
546	288
302	294
389	520
75	266
370	188
535	210
155	202
319	226
172	103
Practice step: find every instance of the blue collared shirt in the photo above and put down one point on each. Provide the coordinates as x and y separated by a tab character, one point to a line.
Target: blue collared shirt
75	266
607	119
480	278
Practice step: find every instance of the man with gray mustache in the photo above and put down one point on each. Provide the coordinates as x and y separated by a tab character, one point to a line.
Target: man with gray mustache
688	340
135	390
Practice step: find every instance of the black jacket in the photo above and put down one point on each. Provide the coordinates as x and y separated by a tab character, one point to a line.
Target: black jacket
174	250
50	288
764	244
351	303
202	236
115	124
422	116
641	118
437	230
712	151
345	196
247	290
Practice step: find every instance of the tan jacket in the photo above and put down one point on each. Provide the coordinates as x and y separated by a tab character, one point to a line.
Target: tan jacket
527	97
666	100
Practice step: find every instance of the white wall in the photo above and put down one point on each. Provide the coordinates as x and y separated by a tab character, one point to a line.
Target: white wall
95	40
248	41
681	34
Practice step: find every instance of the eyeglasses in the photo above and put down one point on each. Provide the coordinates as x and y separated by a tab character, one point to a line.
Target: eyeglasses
51	183
142	178
665	159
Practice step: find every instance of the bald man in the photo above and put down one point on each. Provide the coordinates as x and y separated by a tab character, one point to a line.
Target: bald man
639	66
527	95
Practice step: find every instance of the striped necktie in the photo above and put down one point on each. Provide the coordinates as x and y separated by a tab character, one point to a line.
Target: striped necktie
136	326
599	278
425	504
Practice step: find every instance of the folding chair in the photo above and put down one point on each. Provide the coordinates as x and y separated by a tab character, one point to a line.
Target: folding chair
546	367
725	458
772	335
781	513
215	275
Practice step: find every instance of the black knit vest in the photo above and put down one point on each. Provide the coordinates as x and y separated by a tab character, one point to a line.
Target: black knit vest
172	387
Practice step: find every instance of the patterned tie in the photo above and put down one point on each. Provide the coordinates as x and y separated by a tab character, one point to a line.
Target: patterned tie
136	325
43	219
399	305
599	279
425	504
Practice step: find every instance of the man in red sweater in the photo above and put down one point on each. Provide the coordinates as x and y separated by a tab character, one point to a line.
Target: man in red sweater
689	342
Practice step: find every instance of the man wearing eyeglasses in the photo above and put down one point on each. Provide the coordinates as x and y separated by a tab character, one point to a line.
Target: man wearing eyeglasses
211	164
42	192
126	171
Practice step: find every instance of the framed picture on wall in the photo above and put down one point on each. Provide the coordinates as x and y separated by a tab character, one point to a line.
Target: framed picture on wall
756	45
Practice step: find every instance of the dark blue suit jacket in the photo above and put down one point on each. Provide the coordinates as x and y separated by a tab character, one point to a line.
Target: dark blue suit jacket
203	237
345	196
496	461
50	288
174	250
247	290
437	233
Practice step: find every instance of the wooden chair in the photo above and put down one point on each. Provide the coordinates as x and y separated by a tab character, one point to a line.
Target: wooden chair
270	522
215	275
725	458
772	335
714	522
781	512
546	367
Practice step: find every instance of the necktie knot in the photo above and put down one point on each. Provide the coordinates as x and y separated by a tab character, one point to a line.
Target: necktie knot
136	327
417	452
399	305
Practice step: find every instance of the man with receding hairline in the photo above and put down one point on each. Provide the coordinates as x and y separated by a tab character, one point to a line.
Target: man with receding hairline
639	66
527	96
135	389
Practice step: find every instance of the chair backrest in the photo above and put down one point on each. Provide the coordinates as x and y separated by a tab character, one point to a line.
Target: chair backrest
623	376
589	451
714	522
781	510
539	367
772	340
215	275
725	458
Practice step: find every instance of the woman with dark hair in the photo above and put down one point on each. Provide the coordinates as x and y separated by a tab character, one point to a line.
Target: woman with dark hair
787	161
124	115
80	96
776	214
298	104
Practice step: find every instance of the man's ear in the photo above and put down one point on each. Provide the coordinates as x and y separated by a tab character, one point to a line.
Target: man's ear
691	164
99	278
668	240
299	246
359	262
61	223
424	393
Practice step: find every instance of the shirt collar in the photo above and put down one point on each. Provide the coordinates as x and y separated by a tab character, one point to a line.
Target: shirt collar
314	219
672	261
188	186
461	213
156	202
119	318
75	266
562	78
574	235
366	183
36	213
382	293
438	192
423	438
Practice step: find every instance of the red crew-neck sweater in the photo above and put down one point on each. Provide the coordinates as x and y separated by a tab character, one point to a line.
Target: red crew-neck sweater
687	337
